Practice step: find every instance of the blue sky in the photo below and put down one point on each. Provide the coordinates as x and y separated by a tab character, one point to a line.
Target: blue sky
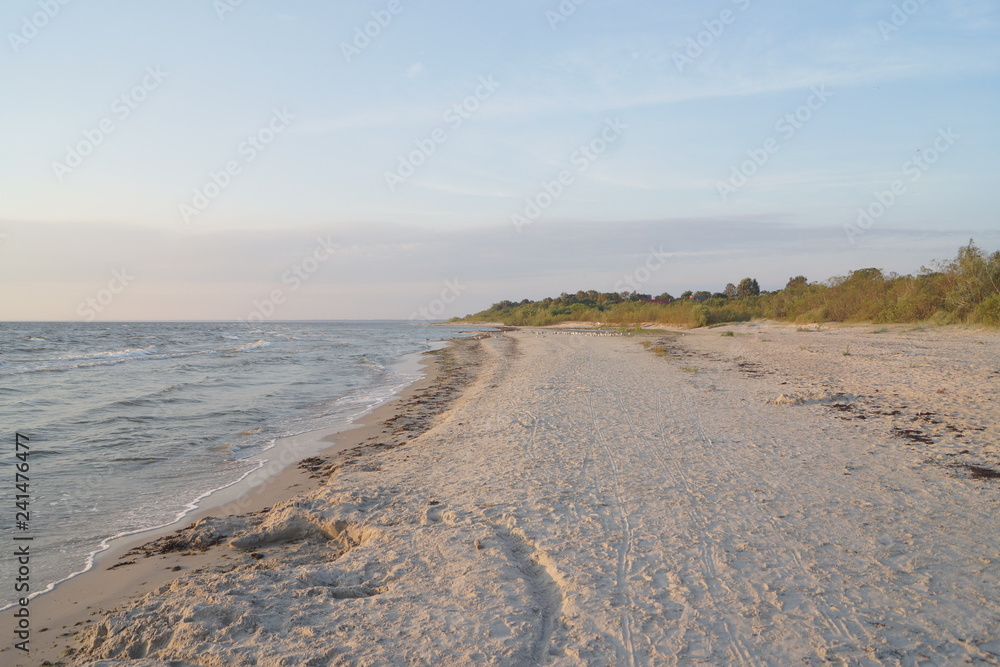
733	137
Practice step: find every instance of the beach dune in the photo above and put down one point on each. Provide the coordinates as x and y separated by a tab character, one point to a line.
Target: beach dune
771	497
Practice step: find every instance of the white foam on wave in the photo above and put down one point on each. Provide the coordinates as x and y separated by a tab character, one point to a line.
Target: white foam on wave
365	361
253	346
147	353
114	354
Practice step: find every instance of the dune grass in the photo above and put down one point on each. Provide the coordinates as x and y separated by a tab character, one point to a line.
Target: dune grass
964	290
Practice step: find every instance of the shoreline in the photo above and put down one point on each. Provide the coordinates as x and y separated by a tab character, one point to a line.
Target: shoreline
762	494
115	576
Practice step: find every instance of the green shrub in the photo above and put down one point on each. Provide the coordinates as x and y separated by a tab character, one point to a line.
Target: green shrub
699	316
988	311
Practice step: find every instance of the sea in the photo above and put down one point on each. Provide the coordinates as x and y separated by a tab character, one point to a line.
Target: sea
132	426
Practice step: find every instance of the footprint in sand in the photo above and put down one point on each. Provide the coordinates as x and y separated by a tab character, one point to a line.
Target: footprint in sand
434	513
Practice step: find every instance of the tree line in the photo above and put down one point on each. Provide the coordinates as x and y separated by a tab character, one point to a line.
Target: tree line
965	289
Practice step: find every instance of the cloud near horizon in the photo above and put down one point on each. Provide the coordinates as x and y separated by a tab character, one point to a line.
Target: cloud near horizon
390	271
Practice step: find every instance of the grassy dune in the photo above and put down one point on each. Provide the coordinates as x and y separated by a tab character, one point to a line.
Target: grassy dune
963	290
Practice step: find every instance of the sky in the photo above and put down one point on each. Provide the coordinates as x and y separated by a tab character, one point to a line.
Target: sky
408	159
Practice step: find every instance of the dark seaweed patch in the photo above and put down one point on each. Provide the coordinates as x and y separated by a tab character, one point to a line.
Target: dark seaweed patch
979	472
913	435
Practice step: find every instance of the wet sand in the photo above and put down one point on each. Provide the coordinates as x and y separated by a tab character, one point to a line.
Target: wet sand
130	568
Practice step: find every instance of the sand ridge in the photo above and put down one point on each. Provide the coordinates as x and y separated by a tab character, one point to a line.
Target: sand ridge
586	502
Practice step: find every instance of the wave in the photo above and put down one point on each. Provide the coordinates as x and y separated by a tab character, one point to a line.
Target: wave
246	347
365	361
139	459
116	354
58	364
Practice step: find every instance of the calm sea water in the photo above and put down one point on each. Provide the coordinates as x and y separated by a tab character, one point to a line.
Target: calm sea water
130	423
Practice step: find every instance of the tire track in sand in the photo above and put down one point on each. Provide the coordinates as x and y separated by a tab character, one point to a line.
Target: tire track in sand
761	518
543	581
626	544
712	582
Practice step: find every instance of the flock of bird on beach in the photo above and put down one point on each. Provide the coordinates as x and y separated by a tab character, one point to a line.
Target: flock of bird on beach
584	333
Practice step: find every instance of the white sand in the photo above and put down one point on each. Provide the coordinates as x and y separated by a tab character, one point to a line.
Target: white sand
589	503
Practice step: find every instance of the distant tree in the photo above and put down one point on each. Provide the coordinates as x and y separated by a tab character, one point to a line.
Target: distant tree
687	294
665	297
797	282
613	297
730	290
870	274
748	287
720	295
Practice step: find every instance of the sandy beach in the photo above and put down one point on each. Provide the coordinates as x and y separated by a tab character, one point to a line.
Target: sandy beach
752	494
